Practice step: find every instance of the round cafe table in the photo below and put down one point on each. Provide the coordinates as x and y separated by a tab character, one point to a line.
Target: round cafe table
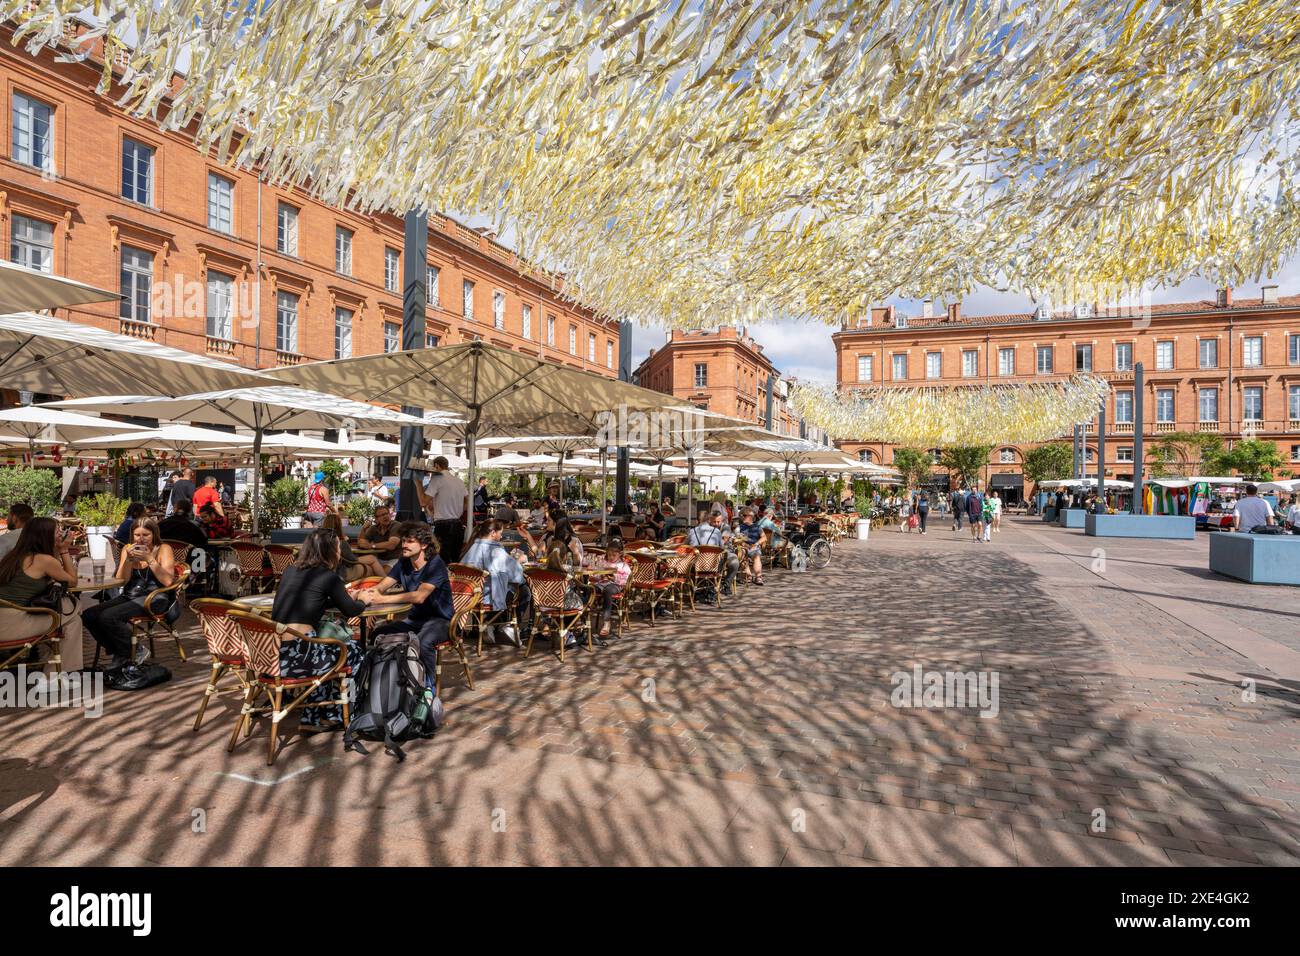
70	648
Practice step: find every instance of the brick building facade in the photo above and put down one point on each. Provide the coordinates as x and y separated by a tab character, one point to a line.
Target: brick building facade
723	370
89	192
1229	367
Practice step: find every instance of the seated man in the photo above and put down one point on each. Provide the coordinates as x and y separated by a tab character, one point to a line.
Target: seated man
753	536
419	578
19	515
215	524
505	575
712	532
180	526
382	534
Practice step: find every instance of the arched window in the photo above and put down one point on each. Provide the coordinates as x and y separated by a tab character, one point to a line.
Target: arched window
866	455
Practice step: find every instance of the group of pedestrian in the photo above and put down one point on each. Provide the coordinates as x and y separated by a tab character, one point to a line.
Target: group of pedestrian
982	511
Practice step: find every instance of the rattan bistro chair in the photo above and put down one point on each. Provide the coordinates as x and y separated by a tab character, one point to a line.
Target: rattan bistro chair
261	638
680	570
142	625
549	589
251	559
225	646
710	568
465	597
15	650
647	585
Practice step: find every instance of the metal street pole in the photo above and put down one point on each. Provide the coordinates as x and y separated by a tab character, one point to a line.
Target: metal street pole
1139	458
621	470
1101	458
414	253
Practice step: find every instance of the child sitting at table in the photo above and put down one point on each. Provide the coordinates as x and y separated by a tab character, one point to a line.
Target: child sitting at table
610	587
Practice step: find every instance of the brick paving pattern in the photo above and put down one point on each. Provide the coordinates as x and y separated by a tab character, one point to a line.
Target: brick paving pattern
759	733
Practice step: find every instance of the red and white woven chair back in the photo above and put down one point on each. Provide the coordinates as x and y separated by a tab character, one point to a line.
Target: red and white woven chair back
261	644
465	595
281	557
643	568
548	588
219	629
709	560
249	556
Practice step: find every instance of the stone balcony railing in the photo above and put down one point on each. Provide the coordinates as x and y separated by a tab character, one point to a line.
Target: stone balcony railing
138	330
218	346
287	358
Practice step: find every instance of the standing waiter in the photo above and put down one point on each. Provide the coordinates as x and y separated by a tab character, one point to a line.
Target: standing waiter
445	500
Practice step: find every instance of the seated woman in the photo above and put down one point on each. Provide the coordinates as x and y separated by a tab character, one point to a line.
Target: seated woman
654	524
39	557
609	587
309	586
560	534
351	566
505	574
147	565
755	539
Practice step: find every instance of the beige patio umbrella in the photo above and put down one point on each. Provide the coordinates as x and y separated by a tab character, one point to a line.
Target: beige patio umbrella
492	388
46	424
183	441
258	407
40	353
23	289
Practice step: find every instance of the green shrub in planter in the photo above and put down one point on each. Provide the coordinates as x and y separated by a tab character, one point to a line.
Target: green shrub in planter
285	498
103	510
39	488
358	510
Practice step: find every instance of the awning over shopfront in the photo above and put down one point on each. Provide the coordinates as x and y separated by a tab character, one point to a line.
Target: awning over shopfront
1006	480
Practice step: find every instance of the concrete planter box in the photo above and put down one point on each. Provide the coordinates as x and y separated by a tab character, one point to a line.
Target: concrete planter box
1256	558
299	535
1140	526
1049	513
1071	517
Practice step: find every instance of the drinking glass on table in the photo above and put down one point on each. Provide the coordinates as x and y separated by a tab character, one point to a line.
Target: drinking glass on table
97	573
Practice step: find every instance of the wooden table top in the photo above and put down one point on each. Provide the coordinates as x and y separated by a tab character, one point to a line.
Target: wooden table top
90	584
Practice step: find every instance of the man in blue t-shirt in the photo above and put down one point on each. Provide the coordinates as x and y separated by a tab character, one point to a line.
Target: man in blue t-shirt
418	578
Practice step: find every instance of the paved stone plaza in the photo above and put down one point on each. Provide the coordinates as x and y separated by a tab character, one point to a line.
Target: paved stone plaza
762	733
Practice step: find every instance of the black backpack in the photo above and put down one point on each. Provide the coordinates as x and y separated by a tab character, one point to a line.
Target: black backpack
390	703
132	676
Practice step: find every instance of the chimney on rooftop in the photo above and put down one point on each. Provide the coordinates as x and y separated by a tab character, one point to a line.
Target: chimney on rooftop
1268	294
1224	297
954	311
927	309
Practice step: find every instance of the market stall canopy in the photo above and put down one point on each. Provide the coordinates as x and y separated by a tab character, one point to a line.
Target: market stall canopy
1287	486
39	353
1053	483
26	290
1194	480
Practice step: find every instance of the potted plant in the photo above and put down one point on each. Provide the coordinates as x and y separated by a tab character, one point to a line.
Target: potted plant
358	509
38	488
283	504
100	514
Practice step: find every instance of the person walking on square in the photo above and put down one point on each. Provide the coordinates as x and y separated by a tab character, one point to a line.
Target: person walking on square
958	502
975	512
987	514
923	508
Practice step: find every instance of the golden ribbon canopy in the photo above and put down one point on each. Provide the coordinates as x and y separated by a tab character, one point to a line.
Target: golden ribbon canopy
945	417
697	164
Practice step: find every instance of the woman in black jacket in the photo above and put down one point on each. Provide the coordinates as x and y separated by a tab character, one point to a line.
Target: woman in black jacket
309	587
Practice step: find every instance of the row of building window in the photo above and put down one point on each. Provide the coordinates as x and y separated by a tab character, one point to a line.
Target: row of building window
33	241
1252	355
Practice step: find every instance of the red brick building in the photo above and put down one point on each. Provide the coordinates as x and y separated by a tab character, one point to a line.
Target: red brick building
1229	367
88	192
723	370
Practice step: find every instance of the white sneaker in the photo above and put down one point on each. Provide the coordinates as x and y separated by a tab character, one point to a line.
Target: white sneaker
511	634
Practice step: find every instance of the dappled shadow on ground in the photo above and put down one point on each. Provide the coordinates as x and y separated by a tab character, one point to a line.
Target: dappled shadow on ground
759	733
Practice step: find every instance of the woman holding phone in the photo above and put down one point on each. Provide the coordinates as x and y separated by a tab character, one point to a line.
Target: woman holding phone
147	565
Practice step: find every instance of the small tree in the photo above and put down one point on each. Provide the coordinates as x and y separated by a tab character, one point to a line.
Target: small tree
742	485
965	462
1050	462
1187	453
1250	458
38	488
336	476
913	464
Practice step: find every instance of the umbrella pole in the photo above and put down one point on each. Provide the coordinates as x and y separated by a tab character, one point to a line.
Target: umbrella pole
690	491
257	476
604	459
785	486
660	499
471	437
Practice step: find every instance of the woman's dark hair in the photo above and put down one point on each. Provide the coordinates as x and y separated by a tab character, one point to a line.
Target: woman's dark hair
135	510
154	530
37	537
485	528
563	529
332	522
422	534
320	550
615	545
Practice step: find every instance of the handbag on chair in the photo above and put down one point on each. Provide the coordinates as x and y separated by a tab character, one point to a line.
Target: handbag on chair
56	598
